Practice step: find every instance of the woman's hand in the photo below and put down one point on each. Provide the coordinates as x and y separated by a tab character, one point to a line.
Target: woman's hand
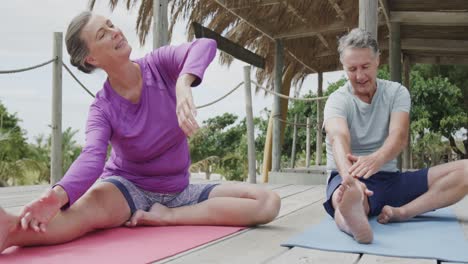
38	213
186	110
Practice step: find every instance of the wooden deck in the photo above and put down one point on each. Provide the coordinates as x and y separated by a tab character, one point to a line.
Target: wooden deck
301	208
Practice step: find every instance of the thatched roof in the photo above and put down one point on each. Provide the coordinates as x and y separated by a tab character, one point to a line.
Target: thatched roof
432	31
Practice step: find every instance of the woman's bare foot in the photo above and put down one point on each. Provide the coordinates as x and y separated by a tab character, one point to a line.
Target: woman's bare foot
158	215
351	213
392	214
7	224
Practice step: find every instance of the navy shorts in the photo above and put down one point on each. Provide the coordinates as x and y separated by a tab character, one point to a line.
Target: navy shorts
390	188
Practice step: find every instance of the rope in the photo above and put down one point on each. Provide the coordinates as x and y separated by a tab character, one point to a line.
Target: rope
289	98
28	68
222	97
292	123
76	79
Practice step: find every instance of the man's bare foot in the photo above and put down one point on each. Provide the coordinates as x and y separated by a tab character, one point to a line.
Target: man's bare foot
158	215
392	214
351	210
7	224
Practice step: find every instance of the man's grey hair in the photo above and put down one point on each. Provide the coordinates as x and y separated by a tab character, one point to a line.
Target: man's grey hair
357	38
76	46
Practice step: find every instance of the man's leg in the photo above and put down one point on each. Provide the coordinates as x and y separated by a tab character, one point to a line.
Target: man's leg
447	183
229	204
351	210
103	206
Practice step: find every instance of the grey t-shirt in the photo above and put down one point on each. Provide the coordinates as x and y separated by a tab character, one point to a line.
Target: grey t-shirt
368	123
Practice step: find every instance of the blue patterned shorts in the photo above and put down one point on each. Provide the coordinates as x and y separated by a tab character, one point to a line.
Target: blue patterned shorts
139	199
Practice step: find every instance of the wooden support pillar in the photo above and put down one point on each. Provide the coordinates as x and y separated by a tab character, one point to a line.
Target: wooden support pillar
56	148
160	24
308	143
395	61
318	148
406	162
293	151
368	19
276	149
250	126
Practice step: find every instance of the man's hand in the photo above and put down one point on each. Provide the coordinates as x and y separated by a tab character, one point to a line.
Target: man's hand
364	166
37	214
347	182
186	110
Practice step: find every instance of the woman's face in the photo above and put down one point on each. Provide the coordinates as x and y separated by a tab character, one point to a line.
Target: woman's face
106	43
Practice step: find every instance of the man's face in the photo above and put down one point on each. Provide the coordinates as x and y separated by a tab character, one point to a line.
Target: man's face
360	65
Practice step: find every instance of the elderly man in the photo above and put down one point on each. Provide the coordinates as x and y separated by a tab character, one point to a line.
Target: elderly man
367	123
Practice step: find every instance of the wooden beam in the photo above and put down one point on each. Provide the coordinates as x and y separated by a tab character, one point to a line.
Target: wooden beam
253	4
323	40
338	10
435	45
294	11
430	18
242	17
368	19
440	60
385	11
428	5
300	61
310	30
435	32
395	52
231	48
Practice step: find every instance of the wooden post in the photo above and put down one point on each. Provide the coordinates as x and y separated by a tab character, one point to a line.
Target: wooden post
318	148
56	148
368	19
276	149
407	151
308	143
293	151
250	127
160	24
395	62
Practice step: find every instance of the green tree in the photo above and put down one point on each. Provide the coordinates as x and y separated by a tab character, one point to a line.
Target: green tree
438	108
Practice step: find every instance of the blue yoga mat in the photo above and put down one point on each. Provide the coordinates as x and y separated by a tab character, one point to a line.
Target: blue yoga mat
434	235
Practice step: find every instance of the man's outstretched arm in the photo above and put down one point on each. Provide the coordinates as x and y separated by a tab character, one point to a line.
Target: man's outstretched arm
366	166
340	139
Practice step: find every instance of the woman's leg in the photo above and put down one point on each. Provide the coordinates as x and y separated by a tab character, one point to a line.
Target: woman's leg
227	204
103	206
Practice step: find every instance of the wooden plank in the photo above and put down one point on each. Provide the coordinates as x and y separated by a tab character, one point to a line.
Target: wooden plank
311	30
435	45
428	5
306	255
430	18
292	190
21	189
259	244
439	60
230	47
461	210
371	259
434	32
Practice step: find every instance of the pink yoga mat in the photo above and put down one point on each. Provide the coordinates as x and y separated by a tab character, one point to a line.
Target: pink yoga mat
121	245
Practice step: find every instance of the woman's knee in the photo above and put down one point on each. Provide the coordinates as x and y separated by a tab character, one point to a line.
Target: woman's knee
269	206
106	204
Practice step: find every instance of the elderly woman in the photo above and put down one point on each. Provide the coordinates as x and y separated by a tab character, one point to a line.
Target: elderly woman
145	110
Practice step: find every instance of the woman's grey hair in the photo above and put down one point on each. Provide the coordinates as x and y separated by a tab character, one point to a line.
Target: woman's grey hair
357	38
76	46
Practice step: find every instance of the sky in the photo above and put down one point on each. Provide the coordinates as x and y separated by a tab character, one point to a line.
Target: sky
26	30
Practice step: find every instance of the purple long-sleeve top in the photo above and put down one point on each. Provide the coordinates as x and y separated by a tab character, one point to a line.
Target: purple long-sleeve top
148	146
